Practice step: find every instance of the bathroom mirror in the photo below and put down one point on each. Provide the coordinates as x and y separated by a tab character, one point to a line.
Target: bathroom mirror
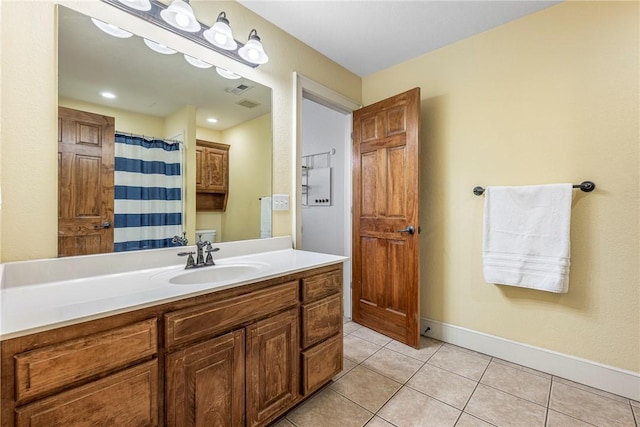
151	89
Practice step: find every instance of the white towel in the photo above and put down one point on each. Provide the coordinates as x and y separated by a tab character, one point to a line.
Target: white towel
526	239
265	217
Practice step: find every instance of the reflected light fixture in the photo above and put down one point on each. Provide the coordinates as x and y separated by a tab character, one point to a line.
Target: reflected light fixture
112	30
197	62
160	48
143	5
220	34
212	120
253	51
180	15
227	74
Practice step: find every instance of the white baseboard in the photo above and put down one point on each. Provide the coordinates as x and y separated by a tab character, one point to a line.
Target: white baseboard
594	374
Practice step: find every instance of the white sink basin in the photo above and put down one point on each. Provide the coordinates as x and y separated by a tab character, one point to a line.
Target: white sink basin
217	273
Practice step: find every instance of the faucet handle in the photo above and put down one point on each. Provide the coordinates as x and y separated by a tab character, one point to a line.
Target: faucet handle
209	260
190	262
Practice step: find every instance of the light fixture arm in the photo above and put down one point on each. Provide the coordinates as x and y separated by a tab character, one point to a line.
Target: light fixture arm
222	17
153	16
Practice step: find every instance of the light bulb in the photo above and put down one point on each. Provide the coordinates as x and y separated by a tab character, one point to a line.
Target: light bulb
182	20
220	34
221	38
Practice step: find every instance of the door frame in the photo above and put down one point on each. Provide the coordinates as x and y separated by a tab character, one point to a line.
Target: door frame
305	88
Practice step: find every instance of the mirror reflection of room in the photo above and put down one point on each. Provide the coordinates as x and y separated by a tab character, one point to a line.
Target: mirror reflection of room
132	111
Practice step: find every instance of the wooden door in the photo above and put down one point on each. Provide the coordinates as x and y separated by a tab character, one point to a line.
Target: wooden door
386	288
272	367
205	383
85	182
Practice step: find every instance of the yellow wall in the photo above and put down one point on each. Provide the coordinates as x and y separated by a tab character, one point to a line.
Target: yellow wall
250	151
29	98
125	121
552	97
250	176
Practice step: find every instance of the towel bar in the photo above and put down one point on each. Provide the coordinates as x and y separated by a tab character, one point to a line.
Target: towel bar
586	186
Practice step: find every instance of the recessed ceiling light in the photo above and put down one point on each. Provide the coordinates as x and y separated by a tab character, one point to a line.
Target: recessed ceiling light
109	95
212	120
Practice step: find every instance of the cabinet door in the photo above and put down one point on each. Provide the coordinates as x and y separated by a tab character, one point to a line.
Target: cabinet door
217	169
272	367
205	383
200	172
127	398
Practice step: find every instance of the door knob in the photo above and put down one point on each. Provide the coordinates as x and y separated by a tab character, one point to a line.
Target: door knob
409	230
106	224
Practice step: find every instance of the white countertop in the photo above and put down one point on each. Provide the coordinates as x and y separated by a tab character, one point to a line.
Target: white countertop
34	307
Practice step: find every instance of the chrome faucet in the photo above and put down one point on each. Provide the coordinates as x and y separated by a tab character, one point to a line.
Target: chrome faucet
181	241
200	259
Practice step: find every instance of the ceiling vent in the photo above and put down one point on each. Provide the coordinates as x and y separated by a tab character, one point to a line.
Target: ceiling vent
238	90
248	104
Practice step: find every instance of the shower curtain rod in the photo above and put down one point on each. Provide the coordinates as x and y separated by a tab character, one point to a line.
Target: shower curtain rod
586	186
152	138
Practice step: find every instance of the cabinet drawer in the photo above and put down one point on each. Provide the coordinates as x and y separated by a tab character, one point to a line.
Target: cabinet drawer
208	319
321	285
321	319
52	367
321	363
128	398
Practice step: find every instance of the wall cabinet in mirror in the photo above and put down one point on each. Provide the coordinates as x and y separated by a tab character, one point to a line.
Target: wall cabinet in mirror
212	176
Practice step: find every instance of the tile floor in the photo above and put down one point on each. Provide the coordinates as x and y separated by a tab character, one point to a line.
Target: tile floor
385	383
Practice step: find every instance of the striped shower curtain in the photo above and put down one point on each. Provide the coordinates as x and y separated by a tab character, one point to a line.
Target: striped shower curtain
148	193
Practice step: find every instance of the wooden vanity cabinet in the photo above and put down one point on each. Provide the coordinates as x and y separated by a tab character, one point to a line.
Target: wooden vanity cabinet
272	367
82	376
205	383
237	357
321	333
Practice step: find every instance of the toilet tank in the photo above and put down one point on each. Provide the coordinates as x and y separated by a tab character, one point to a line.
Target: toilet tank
206	235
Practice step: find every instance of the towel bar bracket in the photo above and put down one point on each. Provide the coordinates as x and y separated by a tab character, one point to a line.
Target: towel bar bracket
586	186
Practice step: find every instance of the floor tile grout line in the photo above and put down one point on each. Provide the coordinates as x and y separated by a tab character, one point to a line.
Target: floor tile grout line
539	374
553	379
474	391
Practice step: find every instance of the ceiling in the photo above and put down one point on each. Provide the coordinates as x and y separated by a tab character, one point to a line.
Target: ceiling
369	36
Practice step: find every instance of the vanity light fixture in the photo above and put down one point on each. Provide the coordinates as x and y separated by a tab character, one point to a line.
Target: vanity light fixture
253	51
197	62
180	19
143	5
227	74
220	34
112	30
160	48
180	15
